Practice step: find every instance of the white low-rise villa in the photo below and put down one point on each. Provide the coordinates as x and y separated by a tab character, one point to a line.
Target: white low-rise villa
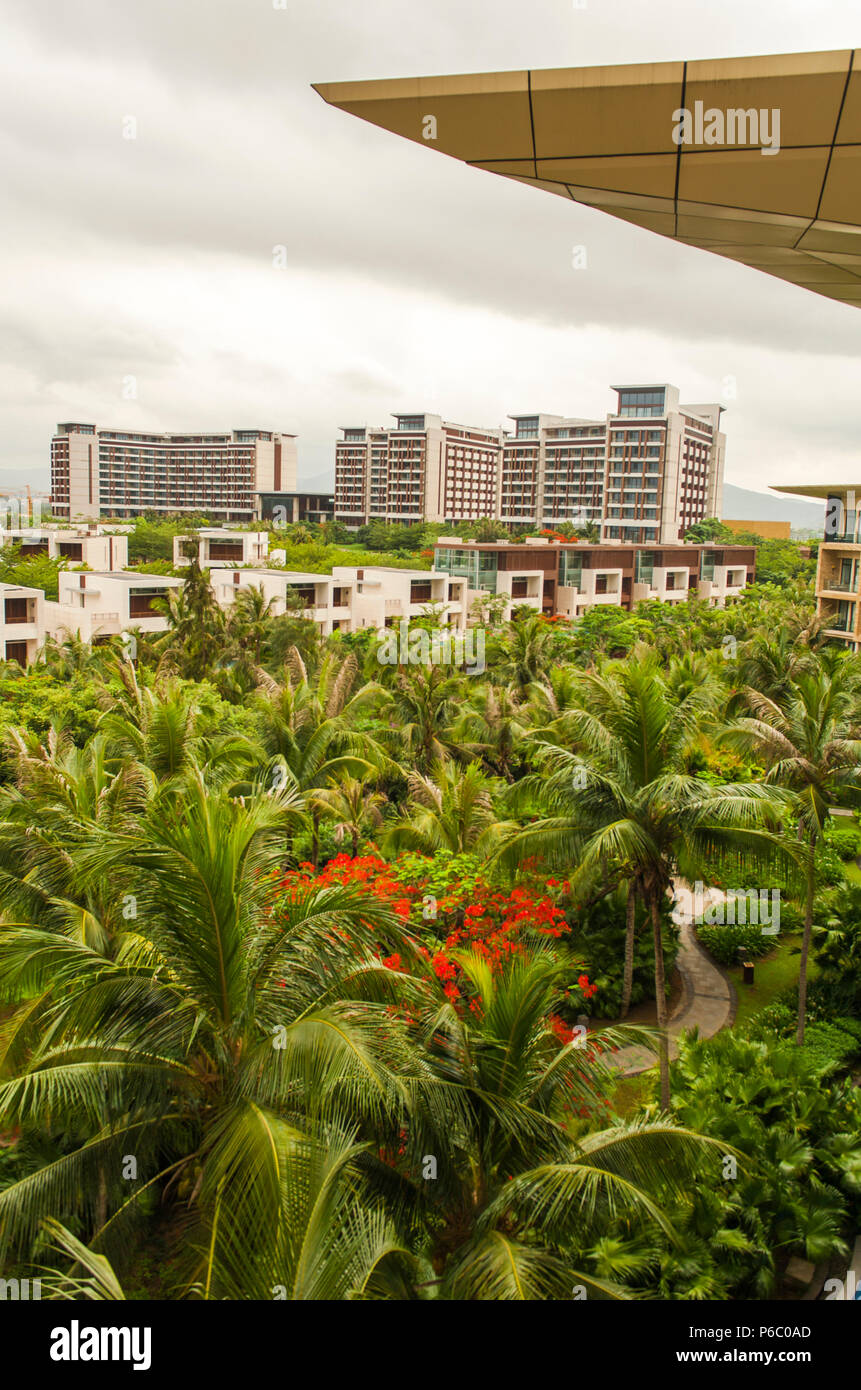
96	605
384	596
720	582
22	623
564	578
321	598
100	548
601	587
350	599
668	584
220	548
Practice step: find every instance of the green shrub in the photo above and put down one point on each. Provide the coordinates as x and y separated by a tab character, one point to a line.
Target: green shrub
827	1002
829	864
791	917
799	1130
845	841
724	942
777	1020
829	1043
830	1047
598	937
851	1026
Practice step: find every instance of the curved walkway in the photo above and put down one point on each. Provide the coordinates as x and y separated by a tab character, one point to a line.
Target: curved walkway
708	999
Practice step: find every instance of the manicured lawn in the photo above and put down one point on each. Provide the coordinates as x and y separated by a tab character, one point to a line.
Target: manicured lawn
851	870
772	975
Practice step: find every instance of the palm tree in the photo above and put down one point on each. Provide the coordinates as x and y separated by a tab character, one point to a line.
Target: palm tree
810	739
59	798
232	1049
311	730
89	1277
558	690
352	804
246	1052
770	661
166	728
492	727
420	714
623	806
524	652
248	623
72	655
452	809
517	1202
692	670
324	1234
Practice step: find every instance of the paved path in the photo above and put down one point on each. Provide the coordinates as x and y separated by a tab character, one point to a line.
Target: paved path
708	998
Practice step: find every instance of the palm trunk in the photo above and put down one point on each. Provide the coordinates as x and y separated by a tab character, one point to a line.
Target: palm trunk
628	976
805	944
315	838
661	1003
101	1201
355	835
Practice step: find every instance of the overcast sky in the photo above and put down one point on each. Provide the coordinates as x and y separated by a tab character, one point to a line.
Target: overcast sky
411	281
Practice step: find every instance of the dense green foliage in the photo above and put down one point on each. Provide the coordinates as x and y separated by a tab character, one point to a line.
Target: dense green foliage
33	571
311	937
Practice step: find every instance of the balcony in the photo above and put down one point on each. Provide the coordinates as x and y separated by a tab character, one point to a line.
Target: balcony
106	620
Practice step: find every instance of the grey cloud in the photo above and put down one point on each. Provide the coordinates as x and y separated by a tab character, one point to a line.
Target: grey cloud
236	154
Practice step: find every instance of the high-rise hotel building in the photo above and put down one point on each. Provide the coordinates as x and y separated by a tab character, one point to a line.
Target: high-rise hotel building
646	473
425	469
120	473
553	471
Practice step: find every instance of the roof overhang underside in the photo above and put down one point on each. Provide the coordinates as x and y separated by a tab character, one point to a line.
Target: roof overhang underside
604	136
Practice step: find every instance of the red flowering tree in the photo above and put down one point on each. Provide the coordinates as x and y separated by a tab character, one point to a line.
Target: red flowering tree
450	909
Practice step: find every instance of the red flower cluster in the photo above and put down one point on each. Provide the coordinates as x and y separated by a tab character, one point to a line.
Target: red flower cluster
563	1031
489	921
343	870
557	536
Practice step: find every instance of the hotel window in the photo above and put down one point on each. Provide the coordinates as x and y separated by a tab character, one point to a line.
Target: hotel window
641	403
644	566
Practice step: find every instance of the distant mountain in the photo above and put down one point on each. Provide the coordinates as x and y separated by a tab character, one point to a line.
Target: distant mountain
741	505
316	471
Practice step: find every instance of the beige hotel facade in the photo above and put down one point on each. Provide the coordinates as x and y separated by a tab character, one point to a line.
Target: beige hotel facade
643	474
